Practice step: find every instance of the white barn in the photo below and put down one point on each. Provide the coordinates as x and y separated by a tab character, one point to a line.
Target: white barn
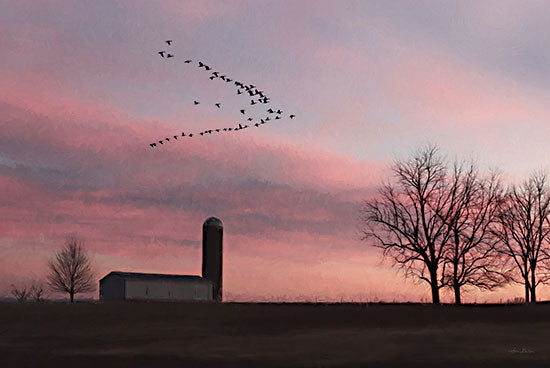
150	286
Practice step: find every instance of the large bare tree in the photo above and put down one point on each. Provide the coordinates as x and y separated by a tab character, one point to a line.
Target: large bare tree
471	257
70	270
523	229
408	217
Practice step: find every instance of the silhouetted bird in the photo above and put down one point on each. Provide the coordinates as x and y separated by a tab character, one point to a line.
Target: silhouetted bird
239	92
196	102
201	133
176	137
250	93
212	77
240	126
217	130
252	86
218	104
228	80
267	119
249	119
256	125
169	42
222	77
190	134
225	129
207	67
169	55
161	53
200	64
161	142
242	111
252	102
270	110
246	126
229	129
168	139
292	116
153	144
182	134
279	112
188	61
277	117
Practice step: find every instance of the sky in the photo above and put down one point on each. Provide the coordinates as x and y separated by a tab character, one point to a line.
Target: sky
83	92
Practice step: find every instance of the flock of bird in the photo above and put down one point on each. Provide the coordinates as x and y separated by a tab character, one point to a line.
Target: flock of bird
257	97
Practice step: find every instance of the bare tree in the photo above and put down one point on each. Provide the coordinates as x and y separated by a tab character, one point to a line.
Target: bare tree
523	229
471	256
408	218
70	270
21	295
36	292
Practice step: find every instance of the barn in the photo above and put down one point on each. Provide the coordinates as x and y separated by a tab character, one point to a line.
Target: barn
150	286
119	285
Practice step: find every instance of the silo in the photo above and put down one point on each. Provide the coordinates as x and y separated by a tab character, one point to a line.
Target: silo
212	254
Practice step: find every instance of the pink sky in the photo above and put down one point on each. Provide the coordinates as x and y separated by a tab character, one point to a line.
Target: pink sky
83	92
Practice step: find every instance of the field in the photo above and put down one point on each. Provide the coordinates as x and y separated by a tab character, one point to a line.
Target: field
272	335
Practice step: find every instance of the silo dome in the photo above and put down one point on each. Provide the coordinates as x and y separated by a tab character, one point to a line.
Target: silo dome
214	222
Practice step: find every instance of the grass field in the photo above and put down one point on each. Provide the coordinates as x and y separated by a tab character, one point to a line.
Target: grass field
270	335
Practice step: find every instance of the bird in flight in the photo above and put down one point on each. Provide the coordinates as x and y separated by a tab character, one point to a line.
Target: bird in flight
190	134
188	61
167	139
176	137
169	42
256	125
292	116
240	126
270	110
217	130
252	102
196	102
279	112
169	55
239	92
182	134
207	67
277	117
249	119
242	111
161	53
153	144
161	142
218	104
212	77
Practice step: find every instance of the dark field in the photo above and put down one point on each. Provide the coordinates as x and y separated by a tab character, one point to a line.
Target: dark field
269	335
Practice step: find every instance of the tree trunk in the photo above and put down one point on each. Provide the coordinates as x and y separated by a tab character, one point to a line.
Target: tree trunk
457	293
434	285
533	287
71	293
526	291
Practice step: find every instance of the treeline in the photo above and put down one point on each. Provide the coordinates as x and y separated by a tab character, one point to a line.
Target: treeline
450	225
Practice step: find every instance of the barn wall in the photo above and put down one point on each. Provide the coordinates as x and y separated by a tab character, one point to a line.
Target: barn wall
111	288
168	290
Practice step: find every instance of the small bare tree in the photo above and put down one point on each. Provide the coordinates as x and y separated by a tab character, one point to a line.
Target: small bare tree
36	292
21	295
70	270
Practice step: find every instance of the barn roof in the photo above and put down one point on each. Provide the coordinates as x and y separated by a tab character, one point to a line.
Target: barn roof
155	276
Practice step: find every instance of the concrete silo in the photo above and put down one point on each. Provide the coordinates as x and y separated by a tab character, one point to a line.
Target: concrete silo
212	254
